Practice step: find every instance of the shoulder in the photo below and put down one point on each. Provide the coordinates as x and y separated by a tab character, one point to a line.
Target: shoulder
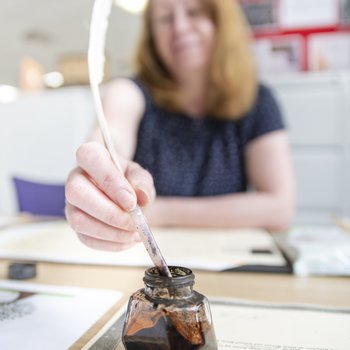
123	95
123	89
264	117
124	104
265	98
124	107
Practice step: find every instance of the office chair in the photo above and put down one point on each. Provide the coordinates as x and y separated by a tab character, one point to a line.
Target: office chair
39	198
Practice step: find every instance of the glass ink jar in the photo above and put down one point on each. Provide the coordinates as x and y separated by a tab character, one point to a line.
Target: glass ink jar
168	314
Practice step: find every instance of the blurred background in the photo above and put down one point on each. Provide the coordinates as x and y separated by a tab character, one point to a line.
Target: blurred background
303	52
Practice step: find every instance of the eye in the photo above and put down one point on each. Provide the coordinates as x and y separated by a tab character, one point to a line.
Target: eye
195	11
165	18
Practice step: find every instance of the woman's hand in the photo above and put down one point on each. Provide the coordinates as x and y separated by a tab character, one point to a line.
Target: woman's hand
99	197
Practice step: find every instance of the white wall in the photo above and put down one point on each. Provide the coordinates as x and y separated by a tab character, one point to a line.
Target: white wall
49	30
317	110
38	138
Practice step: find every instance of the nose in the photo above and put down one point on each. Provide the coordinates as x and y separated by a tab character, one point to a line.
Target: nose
181	21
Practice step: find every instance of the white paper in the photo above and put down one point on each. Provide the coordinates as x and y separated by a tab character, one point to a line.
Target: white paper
6	221
329	51
245	325
308	13
279	54
264	326
53	318
194	248
320	250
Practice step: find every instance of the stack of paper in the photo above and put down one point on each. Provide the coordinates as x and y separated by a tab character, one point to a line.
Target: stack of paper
317	250
195	248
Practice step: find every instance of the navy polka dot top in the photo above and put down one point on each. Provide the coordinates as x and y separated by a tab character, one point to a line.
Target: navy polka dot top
200	157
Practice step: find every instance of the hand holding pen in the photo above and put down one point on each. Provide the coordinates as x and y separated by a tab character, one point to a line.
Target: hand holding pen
106	226
91	165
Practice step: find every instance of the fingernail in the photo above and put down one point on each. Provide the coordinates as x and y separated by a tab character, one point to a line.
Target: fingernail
126	200
145	198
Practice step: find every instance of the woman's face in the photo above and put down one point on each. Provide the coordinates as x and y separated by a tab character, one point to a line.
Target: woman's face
183	35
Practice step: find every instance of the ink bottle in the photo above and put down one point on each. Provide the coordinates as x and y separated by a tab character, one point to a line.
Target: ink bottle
168	314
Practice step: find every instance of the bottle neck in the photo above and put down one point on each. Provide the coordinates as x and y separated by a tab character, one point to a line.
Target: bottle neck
161	287
168	292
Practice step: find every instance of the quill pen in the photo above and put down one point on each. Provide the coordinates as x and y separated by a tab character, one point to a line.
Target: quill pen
96	61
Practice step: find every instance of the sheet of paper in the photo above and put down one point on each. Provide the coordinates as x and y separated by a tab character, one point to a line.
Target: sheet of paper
48	317
244	325
199	248
280	54
20	219
317	250
9	220
308	13
329	51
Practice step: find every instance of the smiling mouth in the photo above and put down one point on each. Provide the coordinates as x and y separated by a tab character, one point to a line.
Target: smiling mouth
184	47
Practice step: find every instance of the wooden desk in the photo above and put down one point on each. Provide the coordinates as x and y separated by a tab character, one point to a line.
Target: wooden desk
265	287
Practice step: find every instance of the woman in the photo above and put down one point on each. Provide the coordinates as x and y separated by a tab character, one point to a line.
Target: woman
198	121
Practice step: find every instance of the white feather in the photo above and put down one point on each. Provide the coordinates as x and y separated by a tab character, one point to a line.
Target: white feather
96	62
98	30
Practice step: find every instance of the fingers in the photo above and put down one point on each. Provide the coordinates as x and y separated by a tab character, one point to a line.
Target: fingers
142	182
136	185
99	197
85	225
103	245
84	195
94	159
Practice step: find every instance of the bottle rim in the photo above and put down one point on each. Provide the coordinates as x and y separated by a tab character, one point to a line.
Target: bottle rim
182	276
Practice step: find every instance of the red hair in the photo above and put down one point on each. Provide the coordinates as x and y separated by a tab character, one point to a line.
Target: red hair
232	76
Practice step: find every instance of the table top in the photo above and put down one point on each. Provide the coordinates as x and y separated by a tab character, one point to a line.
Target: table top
279	288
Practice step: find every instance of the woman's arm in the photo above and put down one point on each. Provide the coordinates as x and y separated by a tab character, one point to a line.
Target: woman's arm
123	105
270	205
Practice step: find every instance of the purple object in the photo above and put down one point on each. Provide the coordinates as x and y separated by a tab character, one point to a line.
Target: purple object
40	199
